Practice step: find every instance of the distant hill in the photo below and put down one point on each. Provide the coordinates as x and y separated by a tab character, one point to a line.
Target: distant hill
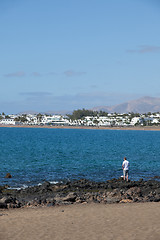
28	112
47	112
142	105
61	112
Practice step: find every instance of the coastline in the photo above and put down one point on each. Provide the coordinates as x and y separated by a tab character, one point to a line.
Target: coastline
82	210
137	128
80	192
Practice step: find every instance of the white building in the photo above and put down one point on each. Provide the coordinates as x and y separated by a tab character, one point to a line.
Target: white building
155	121
135	120
8	121
54	120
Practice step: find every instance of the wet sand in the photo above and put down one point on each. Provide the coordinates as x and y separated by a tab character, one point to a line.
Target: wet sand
131	221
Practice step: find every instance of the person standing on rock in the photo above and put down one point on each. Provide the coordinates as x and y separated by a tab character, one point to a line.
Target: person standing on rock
125	166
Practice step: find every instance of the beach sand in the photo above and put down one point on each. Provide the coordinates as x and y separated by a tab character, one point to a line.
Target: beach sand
82	222
137	128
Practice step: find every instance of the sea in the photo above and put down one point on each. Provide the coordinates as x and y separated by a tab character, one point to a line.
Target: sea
35	155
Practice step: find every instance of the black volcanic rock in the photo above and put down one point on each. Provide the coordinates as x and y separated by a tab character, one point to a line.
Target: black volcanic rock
112	191
8	175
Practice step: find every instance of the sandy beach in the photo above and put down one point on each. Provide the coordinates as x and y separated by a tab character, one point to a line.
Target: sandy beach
133	221
138	128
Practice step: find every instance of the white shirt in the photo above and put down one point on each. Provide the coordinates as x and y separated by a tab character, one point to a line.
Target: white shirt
125	165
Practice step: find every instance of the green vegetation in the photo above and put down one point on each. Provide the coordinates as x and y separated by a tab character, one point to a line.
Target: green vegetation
7	117
39	116
81	113
21	119
1	117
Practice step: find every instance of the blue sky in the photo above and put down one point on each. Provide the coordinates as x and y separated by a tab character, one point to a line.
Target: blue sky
70	54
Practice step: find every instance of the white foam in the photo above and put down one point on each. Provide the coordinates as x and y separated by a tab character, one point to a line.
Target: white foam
26	186
54	182
18	188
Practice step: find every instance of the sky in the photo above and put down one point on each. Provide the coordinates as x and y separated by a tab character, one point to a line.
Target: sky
63	55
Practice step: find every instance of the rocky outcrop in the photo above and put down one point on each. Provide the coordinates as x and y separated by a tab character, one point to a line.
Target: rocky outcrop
9	202
81	191
8	175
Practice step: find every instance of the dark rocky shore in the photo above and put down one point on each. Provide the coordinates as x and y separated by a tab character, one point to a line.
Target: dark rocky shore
81	191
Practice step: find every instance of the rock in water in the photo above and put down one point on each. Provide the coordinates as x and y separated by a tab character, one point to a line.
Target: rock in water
8	175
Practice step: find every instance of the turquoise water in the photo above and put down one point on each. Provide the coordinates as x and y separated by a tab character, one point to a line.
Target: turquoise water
33	155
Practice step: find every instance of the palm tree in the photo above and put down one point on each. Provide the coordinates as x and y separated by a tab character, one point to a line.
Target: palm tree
39	117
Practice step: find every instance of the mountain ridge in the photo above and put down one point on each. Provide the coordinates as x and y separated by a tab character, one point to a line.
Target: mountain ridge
142	105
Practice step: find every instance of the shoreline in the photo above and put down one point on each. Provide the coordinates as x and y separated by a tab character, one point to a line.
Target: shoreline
80	192
138	128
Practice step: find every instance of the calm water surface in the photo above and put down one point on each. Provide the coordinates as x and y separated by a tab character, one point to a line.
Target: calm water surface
33	155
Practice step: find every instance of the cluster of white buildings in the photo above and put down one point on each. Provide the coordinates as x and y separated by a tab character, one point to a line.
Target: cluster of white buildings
118	120
111	119
30	119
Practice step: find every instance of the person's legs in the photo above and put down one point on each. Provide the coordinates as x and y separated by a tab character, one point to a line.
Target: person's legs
127	175
124	174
